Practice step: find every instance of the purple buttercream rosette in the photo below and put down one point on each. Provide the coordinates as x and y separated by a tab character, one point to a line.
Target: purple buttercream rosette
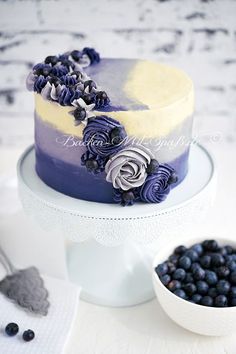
67	70
157	185
99	136
68	95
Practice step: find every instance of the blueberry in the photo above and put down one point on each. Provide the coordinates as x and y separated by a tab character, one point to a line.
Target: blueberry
68	64
51	59
46	71
211	277
179	274
233	257
185	262
128	197
88	98
180	250
202	287
228	249
197	248
76	55
173	178
28	335
205	261
90	84
79	114
77	73
222	272
188	278
206	301
174	285
232	292
12	329
101	99
190	289
233	301
91	165
217	260
210	245
212	292
174	259
196	298
228	258
223	287
221	301
55	80
192	255
165	279
195	266
232	277
180	293
223	251
171	267
161	269
231	265
152	167
117	135
199	273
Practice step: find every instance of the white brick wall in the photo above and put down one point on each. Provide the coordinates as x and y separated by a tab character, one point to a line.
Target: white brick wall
199	36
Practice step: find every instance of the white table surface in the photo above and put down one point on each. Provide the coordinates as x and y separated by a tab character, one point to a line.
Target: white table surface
143	329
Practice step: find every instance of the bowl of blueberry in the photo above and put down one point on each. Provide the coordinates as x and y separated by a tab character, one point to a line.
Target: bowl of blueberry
195	283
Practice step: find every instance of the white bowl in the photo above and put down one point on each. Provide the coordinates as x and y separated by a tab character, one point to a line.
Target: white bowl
210	321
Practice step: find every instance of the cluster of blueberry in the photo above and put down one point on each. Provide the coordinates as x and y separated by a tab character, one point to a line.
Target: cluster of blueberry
12	329
204	274
67	71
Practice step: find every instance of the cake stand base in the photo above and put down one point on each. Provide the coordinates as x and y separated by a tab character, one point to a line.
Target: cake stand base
113	263
111	276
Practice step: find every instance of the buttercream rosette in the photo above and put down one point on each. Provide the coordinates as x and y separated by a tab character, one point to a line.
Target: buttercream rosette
97	136
157	185
51	91
127	168
68	68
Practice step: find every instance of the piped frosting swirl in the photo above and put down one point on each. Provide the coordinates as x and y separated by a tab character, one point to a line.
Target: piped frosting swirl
127	169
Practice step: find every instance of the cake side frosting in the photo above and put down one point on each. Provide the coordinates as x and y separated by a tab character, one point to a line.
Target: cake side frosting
154	119
148	102
66	146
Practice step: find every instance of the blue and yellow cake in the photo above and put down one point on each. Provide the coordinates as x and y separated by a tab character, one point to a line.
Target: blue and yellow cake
111	130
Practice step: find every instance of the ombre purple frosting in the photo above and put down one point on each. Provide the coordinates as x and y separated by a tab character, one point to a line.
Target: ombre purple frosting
97	136
156	186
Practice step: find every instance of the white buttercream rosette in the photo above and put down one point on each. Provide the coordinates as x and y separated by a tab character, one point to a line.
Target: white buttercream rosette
127	168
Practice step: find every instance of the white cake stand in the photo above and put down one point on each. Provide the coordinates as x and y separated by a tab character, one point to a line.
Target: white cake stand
117	275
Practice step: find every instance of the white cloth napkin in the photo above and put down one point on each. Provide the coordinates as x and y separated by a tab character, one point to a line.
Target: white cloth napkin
51	331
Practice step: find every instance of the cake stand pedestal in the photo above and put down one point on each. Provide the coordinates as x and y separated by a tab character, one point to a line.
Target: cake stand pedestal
113	263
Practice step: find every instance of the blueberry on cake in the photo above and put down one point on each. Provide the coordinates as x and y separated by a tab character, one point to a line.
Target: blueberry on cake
111	130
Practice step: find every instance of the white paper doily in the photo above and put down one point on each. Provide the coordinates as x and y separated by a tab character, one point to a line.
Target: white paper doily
111	224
